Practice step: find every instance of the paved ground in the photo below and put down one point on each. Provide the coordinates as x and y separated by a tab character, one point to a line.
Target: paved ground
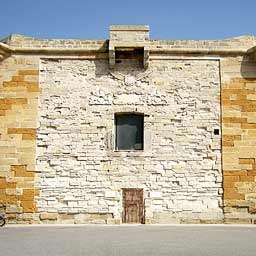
128	240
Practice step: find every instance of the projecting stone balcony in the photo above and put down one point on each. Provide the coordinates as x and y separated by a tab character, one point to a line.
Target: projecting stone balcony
128	42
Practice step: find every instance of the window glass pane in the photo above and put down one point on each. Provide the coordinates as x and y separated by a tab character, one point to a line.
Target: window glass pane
129	132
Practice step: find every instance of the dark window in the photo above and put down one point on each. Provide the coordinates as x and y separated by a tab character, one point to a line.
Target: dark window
216	131
135	54
129	131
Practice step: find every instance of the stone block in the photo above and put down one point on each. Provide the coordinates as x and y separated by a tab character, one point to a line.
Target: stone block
28	72
28	206
110	194
155	194
48	216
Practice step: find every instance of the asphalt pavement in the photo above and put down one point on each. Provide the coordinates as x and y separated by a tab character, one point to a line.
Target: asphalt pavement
128	240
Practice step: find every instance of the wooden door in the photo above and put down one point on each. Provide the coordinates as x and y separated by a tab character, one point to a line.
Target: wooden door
133	205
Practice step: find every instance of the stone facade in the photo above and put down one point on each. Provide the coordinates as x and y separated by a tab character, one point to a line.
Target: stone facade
58	100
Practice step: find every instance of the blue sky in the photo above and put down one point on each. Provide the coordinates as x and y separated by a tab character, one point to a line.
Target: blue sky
183	19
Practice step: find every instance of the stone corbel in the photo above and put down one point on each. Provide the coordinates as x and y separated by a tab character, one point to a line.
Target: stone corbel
146	57
5	51
252	53
112	56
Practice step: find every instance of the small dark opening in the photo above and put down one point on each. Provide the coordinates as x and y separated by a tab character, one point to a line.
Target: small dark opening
216	132
129	131
135	54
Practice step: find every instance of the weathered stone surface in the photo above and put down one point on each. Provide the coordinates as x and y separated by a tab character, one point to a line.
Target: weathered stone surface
181	170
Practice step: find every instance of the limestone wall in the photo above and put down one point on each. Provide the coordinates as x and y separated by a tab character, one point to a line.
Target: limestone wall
81	176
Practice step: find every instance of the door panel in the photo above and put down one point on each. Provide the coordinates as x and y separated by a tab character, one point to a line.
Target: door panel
133	205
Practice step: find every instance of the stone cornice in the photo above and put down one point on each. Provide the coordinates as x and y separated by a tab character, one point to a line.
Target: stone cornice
5	50
18	44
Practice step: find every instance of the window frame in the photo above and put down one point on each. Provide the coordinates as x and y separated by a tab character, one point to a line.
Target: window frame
118	114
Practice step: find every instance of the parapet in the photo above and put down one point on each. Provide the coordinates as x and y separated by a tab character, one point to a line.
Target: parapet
126	41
